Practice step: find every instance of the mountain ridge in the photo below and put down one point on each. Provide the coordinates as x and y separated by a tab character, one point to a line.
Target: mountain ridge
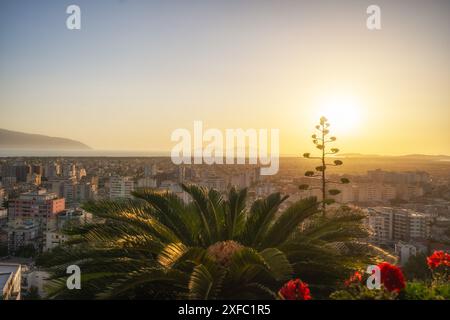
20	140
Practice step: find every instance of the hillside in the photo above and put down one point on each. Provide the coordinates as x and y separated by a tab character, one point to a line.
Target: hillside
19	140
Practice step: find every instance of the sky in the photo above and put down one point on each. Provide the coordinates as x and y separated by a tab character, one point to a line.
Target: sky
138	70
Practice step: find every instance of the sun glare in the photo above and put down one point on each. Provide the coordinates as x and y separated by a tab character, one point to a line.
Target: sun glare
343	113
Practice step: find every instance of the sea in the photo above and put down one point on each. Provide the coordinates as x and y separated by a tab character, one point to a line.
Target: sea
80	153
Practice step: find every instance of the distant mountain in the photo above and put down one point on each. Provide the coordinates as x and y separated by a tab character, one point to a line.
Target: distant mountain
19	140
406	156
358	155
426	156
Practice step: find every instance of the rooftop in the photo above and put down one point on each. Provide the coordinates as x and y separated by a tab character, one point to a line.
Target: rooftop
6	271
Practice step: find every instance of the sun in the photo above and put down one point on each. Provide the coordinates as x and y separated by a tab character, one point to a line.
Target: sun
343	113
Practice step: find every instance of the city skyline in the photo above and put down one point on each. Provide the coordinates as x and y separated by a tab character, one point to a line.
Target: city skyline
139	70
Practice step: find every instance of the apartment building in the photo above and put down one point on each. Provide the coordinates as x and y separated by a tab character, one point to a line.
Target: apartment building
389	225
120	187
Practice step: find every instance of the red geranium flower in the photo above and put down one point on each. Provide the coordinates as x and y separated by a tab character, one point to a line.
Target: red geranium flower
356	277
295	290
437	259
391	277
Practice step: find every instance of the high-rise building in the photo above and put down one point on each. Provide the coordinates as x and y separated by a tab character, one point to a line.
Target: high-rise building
38	206
69	170
398	177
37	169
34	178
23	234
52	170
393	224
22	172
19	171
80	173
120	187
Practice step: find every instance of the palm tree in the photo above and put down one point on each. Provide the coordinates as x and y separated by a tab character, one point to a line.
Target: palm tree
158	247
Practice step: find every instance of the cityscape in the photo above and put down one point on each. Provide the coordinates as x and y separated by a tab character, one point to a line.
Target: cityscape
248	151
408	211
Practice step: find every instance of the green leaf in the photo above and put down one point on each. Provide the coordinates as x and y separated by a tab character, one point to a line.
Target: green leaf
334	192
260	217
205	282
171	253
288	221
277	263
309	173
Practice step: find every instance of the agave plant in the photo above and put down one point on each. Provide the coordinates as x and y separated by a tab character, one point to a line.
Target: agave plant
155	246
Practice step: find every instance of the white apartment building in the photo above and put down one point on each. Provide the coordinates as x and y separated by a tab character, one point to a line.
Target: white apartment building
370	192
381	226
120	187
407	250
53	239
389	225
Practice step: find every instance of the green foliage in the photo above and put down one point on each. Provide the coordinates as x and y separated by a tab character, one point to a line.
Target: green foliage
158	247
334	192
420	290
417	269
361	292
28	251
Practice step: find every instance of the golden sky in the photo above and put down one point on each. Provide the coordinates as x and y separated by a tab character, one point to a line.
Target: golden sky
137	71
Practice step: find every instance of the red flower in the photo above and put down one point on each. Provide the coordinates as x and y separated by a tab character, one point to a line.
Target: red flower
437	259
355	278
295	290
391	277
